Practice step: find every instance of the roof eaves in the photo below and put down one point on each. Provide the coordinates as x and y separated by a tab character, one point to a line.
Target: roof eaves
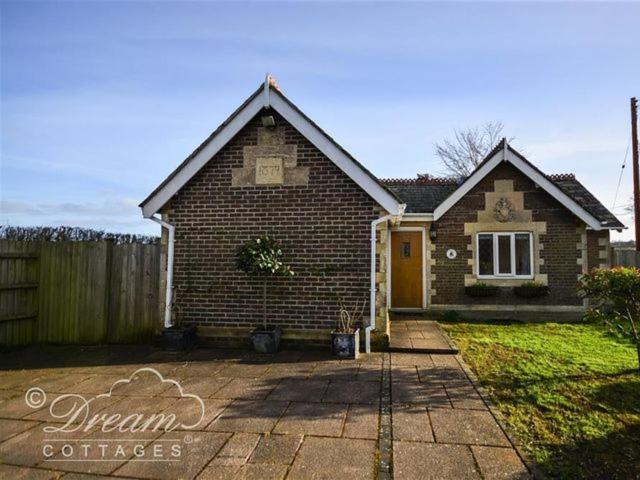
202	145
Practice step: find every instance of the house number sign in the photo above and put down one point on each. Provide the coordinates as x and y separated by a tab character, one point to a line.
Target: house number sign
269	171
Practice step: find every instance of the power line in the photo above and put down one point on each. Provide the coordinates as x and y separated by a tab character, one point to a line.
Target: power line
624	164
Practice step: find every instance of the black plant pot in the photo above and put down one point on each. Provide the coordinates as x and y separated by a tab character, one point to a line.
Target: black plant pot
179	338
481	291
266	340
345	345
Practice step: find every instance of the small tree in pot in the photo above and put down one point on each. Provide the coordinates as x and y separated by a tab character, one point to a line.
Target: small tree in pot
345	340
260	258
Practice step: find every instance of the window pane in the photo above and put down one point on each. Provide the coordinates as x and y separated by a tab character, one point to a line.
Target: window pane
504	254
485	254
406	249
523	254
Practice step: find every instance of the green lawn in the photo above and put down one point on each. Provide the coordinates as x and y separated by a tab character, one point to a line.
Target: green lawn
571	393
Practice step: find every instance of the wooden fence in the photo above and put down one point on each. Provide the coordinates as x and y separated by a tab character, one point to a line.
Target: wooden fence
78	292
626	257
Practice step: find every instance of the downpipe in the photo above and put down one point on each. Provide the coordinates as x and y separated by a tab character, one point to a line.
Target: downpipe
372	290
168	321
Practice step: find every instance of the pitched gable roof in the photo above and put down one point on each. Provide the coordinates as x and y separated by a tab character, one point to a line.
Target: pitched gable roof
268	96
427	195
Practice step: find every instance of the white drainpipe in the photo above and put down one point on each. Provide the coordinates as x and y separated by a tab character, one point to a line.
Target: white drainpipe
169	296
372	298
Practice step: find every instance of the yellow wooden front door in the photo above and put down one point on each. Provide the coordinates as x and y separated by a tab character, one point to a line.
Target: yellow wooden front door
406	270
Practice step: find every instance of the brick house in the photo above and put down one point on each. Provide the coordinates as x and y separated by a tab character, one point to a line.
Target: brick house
399	244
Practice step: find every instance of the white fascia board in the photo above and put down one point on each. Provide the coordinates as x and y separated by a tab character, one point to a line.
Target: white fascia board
554	191
306	128
417	217
466	187
539	179
337	156
194	165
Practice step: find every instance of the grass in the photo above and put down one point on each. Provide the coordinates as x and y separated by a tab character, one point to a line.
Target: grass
570	393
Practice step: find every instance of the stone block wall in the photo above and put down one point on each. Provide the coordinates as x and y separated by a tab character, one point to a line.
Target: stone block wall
555	230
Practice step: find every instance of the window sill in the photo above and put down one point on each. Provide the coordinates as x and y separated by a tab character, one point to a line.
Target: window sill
503	281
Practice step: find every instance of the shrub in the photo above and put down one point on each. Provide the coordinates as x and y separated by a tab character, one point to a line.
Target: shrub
531	289
481	289
615	294
261	258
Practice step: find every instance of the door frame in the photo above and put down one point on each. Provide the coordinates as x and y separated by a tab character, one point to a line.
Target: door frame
423	241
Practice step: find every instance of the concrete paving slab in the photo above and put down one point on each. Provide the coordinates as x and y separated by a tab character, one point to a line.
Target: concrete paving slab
404	373
300	390
203	386
11	472
335	371
411	359
245	389
471	427
411	422
97	452
431	461
249	416
261	472
26	448
500	463
194	456
368	372
188	411
219	472
331	458
362	422
278	449
465	396
445	361
9	428
419	393
17	408
240	370
237	449
325	419
340	391
443	374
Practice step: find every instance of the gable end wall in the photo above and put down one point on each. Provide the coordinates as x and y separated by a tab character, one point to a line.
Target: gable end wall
323	227
560	256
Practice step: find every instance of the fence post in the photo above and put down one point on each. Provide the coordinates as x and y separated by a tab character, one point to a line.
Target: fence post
108	316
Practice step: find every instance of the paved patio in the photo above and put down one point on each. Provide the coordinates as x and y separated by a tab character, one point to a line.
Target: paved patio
294	415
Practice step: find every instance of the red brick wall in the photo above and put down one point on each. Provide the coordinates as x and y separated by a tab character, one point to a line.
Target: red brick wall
323	228
560	251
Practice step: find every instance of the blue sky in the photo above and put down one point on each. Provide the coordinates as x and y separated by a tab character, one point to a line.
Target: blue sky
101	100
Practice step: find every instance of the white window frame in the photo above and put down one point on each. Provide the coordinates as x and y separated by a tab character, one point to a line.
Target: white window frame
512	242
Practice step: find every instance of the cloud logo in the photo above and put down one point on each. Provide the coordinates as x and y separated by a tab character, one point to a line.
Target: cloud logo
74	409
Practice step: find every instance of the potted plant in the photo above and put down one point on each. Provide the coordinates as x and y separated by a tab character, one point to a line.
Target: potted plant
481	289
531	289
345	339
260	258
178	336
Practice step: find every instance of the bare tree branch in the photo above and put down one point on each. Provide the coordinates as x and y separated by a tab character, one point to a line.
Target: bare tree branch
461	155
